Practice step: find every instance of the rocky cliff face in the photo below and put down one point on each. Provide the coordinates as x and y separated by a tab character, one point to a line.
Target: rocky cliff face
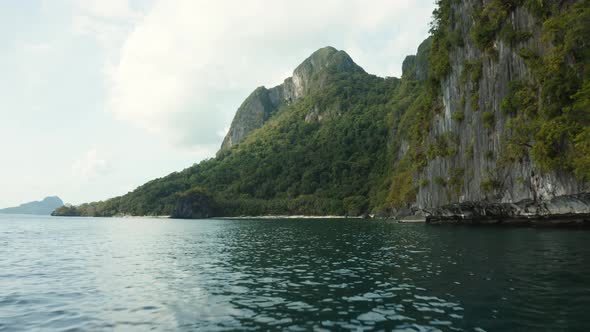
263	102
473	126
252	114
569	210
415	67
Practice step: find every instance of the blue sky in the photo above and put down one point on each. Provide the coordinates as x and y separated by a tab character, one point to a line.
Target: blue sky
100	96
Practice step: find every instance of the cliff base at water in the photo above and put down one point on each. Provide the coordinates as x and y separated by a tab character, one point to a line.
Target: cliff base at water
569	210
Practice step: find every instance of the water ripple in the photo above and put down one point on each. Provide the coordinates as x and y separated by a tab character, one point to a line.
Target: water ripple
219	275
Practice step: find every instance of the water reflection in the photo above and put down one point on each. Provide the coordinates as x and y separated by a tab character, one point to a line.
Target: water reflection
137	274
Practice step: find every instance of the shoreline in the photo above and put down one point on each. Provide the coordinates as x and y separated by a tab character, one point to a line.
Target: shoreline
288	217
573	220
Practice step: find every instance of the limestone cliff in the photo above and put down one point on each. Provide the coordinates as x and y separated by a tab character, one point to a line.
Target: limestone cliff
252	114
262	103
472	124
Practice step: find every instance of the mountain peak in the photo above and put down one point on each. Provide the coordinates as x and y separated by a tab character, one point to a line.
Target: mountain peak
311	75
328	54
323	58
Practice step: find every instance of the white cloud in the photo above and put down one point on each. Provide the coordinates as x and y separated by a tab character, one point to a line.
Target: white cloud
90	165
106	20
109	22
186	65
105	9
37	48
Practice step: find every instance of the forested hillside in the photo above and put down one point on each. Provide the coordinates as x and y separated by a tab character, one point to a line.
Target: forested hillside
325	152
495	107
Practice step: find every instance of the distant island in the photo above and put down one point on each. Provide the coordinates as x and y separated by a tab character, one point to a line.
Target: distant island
43	207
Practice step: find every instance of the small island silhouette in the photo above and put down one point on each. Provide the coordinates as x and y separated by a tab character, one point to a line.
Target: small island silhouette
43	207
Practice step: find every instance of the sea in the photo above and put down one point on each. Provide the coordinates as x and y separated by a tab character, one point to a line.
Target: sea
151	274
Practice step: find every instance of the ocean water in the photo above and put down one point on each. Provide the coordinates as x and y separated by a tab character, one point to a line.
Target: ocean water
133	274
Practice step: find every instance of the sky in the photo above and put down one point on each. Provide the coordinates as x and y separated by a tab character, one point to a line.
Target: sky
100	96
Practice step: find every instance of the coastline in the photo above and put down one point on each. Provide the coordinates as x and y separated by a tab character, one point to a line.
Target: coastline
556	220
288	217
571	220
560	211
565	210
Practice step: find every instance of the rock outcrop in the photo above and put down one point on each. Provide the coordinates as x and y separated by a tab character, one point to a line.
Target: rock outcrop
562	210
307	77
195	203
415	67
475	87
252	114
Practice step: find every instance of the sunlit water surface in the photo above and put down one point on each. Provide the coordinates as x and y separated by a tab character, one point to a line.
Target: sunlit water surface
155	274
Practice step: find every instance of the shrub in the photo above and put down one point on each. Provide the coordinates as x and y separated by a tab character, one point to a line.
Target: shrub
512	36
488	119
458	116
490	184
582	162
403	190
444	145
440	181
470	149
475	102
443	39
423	183
355	205
488	21
456	179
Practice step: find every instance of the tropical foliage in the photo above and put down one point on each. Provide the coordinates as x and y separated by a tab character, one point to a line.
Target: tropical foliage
367	143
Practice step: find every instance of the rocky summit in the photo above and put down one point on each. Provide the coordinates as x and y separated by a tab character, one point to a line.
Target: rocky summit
263	102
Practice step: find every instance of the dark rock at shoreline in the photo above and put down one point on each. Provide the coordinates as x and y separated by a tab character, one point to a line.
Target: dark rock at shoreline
193	204
567	210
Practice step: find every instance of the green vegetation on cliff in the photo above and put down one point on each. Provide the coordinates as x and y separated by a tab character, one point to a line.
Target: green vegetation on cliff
551	111
326	153
346	142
